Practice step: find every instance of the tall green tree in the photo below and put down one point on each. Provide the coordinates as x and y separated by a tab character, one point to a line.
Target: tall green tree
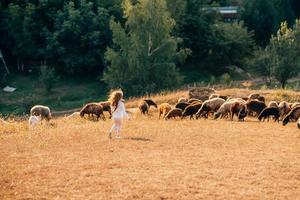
144	53
261	17
284	53
79	39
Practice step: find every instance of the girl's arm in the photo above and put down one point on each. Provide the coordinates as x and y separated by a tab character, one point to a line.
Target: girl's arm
124	110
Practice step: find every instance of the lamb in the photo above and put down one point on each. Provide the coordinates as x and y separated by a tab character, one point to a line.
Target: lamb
145	105
93	109
211	105
269	111
182	105
191	110
173	113
273	104
40	110
106	107
255	106
284	109
294	114
163	109
182	100
33	121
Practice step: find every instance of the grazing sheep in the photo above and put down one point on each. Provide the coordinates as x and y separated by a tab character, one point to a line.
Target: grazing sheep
106	107
211	105
255	106
269	111
294	114
295	105
182	105
233	107
192	100
191	110
273	104
173	113
284	109
163	109
43	111
182	100
144	106
92	109
33	121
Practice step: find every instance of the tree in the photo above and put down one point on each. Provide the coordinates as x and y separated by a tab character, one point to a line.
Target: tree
79	39
284	53
260	16
285	11
142	58
229	44
48	77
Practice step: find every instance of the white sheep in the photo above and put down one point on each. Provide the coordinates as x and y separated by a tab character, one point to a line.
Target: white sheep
33	121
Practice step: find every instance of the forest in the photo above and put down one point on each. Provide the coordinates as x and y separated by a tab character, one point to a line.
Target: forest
143	45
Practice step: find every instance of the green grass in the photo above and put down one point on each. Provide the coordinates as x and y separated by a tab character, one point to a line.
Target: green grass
68	93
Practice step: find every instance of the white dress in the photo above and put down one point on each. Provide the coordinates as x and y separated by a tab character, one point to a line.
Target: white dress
120	112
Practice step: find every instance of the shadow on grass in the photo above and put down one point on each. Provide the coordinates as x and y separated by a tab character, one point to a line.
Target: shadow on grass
138	139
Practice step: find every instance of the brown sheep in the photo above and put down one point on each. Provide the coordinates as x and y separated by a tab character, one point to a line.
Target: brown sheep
106	107
255	106
173	113
92	109
211	105
182	100
145	105
192	100
182	105
284	109
294	114
273	104
233	106
163	109
43	111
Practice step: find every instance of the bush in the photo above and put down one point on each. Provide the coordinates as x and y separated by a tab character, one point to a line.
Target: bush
226	79
48	78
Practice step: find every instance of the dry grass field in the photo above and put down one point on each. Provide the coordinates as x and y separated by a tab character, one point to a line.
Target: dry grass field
175	159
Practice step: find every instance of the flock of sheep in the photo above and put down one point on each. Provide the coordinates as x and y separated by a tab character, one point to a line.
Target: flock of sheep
216	106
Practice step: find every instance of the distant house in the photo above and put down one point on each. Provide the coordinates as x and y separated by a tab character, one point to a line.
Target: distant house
228	13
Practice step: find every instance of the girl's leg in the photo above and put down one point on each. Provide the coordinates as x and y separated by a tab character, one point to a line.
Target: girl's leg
118	123
113	128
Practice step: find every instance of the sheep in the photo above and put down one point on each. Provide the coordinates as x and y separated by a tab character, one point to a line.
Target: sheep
255	106
182	100
33	120
211	105
145	105
269	111
163	109
295	105
273	104
94	109
40	110
284	109
233	107
191	110
182	105
173	113
106	107
294	114
191	100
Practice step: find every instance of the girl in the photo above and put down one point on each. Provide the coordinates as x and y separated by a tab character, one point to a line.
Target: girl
118	112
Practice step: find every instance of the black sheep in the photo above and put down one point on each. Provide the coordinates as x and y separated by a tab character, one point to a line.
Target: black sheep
191	110
269	111
255	106
182	105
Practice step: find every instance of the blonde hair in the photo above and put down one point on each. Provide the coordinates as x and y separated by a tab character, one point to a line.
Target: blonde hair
115	97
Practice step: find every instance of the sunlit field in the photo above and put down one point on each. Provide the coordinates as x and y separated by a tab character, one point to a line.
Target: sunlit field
174	159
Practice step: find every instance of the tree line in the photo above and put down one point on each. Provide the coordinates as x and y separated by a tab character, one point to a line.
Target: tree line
140	45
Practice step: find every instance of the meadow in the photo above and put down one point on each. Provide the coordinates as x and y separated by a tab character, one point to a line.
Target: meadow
174	159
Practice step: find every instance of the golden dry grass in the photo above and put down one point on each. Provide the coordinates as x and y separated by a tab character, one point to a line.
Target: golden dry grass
175	159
